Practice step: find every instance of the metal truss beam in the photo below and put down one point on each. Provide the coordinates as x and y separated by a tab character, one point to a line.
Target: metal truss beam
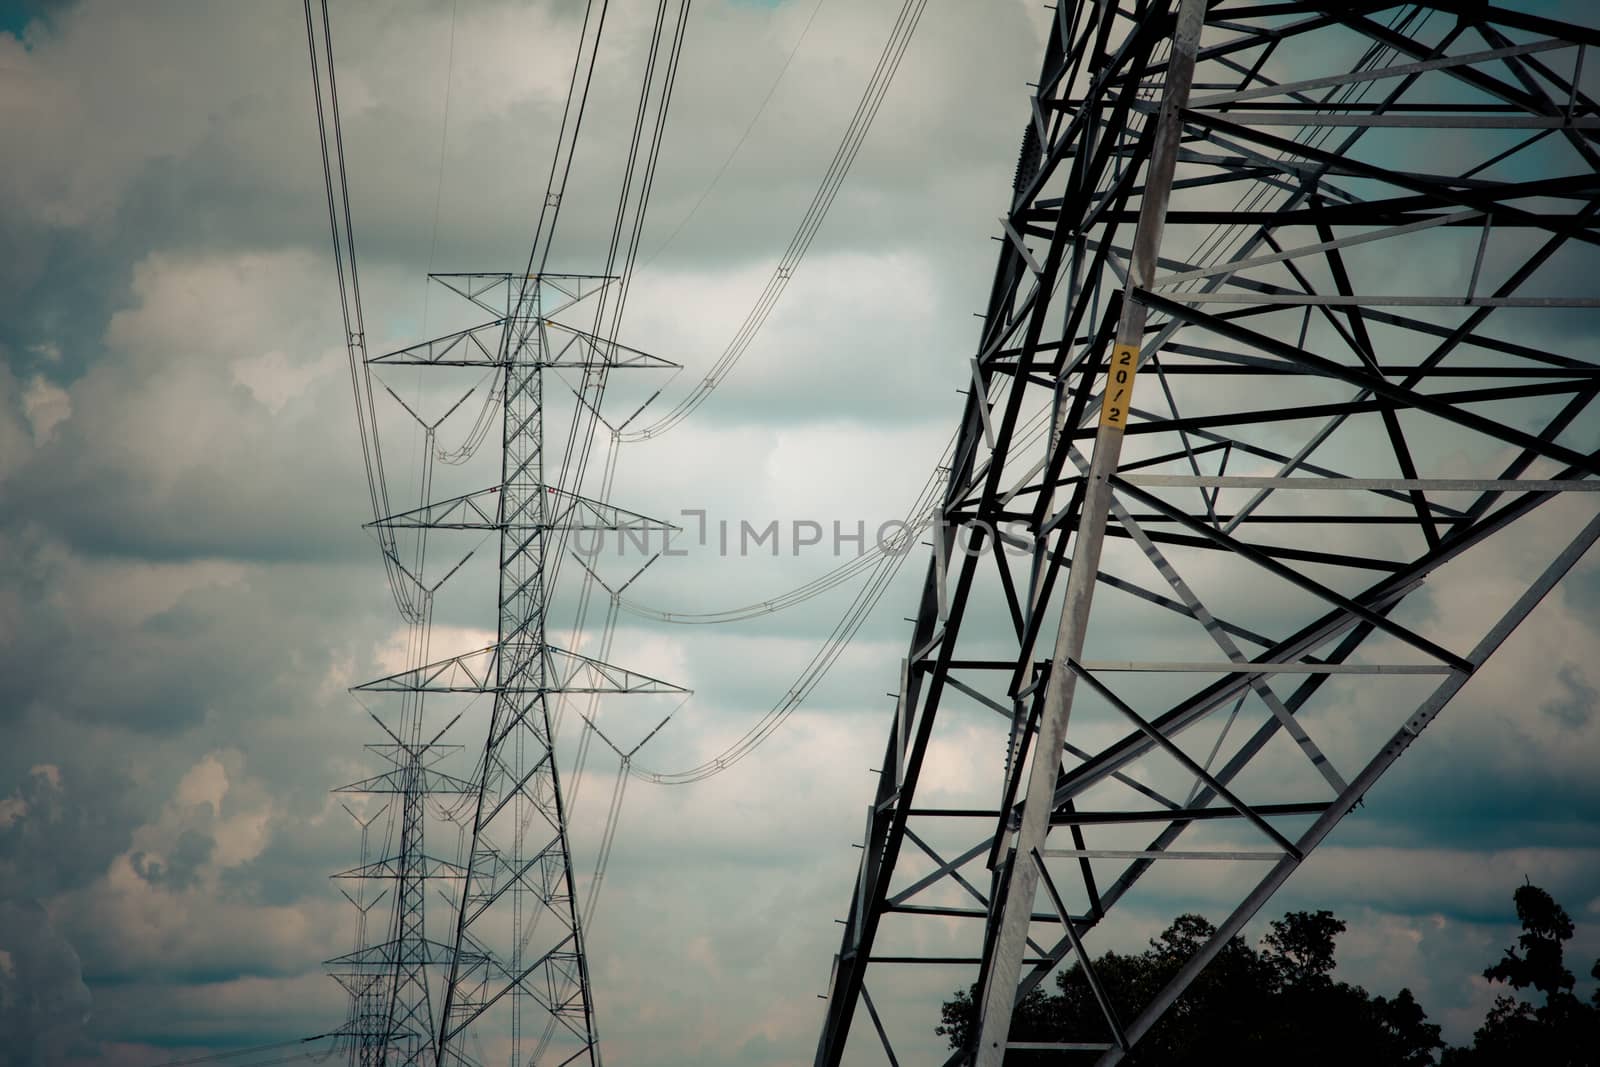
567	511
481	671
564	348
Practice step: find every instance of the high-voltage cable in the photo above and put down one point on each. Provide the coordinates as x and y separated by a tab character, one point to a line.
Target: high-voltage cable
575	457
254	1050
855	615
550	208
344	252
855	134
581	442
866	110
750	126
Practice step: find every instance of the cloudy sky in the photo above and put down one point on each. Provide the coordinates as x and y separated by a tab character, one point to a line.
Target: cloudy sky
186	592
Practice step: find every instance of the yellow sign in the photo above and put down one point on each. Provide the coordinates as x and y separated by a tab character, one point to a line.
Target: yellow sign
1119	386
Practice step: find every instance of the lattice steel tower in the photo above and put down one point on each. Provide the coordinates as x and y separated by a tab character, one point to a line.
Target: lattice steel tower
510	971
1278	362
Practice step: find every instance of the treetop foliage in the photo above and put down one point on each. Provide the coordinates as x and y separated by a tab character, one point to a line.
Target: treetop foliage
1278	1002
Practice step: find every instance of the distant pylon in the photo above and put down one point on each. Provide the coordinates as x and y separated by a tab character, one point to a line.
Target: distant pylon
366	1017
512	970
391	1019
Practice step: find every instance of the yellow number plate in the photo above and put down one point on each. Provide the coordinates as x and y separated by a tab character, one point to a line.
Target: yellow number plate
1119	386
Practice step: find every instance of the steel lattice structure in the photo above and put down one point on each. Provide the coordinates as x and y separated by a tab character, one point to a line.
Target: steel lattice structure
510	967
387	979
1341	249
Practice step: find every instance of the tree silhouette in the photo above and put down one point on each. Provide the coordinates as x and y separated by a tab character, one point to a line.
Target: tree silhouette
1274	1004
1564	1031
1279	1003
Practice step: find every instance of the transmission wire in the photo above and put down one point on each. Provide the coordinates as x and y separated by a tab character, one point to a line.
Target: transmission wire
866	110
844	631
351	311
750	126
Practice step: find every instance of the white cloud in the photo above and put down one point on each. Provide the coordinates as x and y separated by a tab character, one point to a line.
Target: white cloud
164	908
46	405
275	379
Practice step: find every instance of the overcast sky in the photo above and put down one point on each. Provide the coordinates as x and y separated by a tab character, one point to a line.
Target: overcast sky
186	592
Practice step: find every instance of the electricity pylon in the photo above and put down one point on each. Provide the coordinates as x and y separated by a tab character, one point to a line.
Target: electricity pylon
364	980
510	971
1276	367
390	1019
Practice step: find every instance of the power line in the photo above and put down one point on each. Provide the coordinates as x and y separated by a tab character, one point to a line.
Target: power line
350	304
866	109
595	382
844	156
882	574
886	562
444	139
218	1057
595	377
549	215
761	109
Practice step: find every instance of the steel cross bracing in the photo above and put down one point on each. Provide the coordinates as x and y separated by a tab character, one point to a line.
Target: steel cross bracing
506	970
1344	252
